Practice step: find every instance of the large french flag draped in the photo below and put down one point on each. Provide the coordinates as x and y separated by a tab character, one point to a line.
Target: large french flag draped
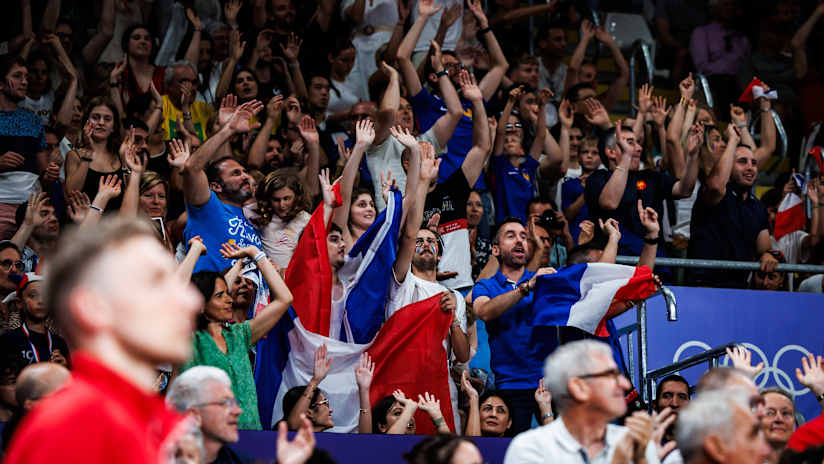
408	355
582	295
790	216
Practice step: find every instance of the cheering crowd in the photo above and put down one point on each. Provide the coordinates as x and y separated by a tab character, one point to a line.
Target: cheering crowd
240	204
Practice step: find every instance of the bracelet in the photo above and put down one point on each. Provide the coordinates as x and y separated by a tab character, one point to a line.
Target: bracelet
364	411
820	397
259	256
96	208
455	323
442	73
548	415
438	421
485	30
114	84
620	168
651	241
684	101
524	288
741	124
187	116
86	160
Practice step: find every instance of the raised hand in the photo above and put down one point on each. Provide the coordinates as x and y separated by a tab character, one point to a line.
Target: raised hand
389	70
687	87
430	405
231	9
451	14
179	153
300	449
240	120
365	133
197	243
37	201
742	359
308	131
78	206
404	136
626	150
236	46
326	188
649	219
322	364
293	111
426	8
737	115
227	108
344	152
387	184
109	187
116	76
364	371
587	232
645	99
695	138
231	251
610	228
403	400
193	18
565	114
603	35
436	59
587	30
292	48
596	113
543	97
429	166
478	11
467	387
274	107
448	303
812	376
515	94
542	396
659	110
733	135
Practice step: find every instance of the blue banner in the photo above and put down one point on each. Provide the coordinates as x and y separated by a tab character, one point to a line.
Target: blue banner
778	327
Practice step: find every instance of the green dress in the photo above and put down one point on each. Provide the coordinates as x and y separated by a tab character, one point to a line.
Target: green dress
236	363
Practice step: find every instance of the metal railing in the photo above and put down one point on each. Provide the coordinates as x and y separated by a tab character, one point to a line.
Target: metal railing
779	128
639	46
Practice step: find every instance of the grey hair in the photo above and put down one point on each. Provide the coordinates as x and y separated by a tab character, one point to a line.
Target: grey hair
571	360
187	389
711	413
169	74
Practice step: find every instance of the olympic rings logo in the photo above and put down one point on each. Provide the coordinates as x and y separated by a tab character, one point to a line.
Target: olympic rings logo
782	379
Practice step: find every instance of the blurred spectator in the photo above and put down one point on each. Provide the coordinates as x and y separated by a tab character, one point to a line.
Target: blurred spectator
674	22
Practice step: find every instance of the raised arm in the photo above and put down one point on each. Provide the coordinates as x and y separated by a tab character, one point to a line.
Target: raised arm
193	51
267	317
108	188
432	406
428	173
473	419
613	232
355	11
365	135
768	137
236	48
503	120
613	191
587	33
566	117
364	372
321	368
105	32
649	219
475	160
409	408
617	87
446	124
137	165
716	184
64	114
408	140
310	136
684	186
799	42
541	132
525	12
196	250
490	82
390	103
426	8
291	52
644	105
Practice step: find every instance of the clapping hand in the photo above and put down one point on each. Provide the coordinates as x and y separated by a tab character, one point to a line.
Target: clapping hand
662	421
542	396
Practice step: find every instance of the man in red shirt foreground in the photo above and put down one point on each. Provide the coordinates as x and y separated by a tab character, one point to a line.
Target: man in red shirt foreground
123	308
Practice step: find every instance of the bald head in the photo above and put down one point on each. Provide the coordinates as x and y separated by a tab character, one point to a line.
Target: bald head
38	380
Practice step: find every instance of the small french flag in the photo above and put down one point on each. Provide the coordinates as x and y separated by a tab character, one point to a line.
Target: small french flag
582	295
790	216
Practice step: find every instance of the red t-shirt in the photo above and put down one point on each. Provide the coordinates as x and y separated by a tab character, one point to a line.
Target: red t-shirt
98	417
809	434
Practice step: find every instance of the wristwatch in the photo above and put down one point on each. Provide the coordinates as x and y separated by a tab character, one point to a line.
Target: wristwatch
443	72
523	287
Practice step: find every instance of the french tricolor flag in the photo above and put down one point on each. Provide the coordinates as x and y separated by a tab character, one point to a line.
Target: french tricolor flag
586	295
790	216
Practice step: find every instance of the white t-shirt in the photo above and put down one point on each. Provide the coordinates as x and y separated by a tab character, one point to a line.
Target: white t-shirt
41	107
791	246
414	289
342	96
387	157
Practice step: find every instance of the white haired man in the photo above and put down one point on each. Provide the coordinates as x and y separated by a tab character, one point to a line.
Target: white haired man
589	390
719	426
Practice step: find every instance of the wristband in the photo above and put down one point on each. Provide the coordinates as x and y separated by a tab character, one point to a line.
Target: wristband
484	31
524	288
114	84
96	208
651	241
684	101
548	415
438	421
620	168
364	411
741	124
86	160
441	73
259	256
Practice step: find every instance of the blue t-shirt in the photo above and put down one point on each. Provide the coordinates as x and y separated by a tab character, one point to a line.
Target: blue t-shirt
428	109
514	187
21	131
517	358
217	223
570	191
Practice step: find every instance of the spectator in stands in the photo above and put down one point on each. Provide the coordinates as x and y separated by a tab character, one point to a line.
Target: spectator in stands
393	415
10	263
227	348
489	415
138	44
772	280
797	245
479	245
615	192
38	231
444	449
216	190
180	82
673	392
205	392
581	71
308	401
34	383
573	201
589	392
552	49
502	302
674	22
23	158
718	50
778	421
728	222
115	293
718	426
32	342
281	214
812	433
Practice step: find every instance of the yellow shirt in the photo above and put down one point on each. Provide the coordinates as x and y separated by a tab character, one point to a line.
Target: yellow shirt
201	114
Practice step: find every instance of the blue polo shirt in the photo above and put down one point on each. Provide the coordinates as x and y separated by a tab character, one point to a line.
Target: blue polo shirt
517	359
571	189
514	187
428	109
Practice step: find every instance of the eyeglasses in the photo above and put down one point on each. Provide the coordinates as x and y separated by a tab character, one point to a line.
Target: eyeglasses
320	403
517	125
227	403
8	264
614	373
